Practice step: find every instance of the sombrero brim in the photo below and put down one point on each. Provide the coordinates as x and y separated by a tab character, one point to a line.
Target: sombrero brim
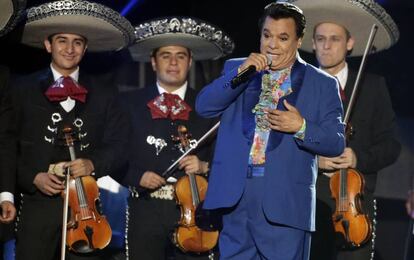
104	28
204	41
10	13
357	16
200	48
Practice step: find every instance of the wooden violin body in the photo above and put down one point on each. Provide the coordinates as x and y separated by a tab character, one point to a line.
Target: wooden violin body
349	220
190	191
87	229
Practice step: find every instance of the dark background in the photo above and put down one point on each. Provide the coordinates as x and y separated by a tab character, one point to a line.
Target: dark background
239	20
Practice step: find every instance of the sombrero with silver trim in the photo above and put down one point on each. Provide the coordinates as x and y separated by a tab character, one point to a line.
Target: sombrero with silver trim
357	16
204	40
10	13
104	28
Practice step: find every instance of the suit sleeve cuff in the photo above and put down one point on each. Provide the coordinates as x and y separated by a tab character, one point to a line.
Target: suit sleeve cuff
6	196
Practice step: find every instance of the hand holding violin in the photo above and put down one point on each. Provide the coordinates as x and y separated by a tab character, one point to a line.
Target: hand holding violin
80	167
48	184
192	165
151	180
346	160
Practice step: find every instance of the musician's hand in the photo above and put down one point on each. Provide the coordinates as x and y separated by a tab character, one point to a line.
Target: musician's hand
192	165
8	212
151	180
49	184
289	121
346	160
256	59
410	204
80	167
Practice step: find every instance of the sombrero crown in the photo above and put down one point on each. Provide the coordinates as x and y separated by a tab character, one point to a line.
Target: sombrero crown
357	16
10	12
104	28
204	40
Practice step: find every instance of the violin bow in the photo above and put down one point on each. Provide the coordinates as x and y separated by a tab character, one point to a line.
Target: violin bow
69	142
192	147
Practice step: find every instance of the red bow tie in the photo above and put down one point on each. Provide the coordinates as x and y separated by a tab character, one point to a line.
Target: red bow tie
169	105
65	87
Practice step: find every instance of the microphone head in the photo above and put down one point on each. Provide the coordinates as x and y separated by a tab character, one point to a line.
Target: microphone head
269	60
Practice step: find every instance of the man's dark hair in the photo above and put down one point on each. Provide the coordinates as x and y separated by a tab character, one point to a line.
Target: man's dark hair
285	10
50	38
154	51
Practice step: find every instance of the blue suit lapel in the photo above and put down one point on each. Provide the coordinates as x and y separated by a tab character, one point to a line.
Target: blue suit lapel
250	99
297	75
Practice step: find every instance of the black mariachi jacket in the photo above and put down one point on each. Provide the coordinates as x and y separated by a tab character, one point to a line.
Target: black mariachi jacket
103	124
143	154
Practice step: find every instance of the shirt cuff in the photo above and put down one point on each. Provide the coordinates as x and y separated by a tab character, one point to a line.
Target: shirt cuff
301	133
6	196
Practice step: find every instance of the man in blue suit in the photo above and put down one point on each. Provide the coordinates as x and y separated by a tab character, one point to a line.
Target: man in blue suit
272	126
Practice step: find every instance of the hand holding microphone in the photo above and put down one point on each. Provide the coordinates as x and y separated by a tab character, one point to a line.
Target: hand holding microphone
254	63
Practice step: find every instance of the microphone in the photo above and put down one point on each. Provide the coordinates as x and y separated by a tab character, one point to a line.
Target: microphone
246	74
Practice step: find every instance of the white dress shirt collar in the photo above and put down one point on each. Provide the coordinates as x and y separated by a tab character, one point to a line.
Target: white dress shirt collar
179	91
342	76
69	103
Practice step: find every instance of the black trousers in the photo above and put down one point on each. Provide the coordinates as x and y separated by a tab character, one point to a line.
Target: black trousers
325	244
150	227
39	230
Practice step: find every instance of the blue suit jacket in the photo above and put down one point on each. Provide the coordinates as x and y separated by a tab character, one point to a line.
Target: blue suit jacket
291	164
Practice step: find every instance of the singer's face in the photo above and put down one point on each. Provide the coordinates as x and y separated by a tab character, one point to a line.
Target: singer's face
331	44
279	41
171	64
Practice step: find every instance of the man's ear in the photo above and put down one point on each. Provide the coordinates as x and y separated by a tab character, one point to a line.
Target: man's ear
299	42
153	64
350	44
48	45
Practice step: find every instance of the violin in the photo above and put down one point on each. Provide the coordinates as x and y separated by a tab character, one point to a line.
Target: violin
87	230
347	185
349	220
190	191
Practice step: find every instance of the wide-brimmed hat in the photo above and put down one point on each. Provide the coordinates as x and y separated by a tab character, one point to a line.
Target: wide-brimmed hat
104	28
205	41
10	13
357	16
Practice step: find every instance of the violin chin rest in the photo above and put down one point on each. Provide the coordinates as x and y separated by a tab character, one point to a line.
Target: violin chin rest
82	246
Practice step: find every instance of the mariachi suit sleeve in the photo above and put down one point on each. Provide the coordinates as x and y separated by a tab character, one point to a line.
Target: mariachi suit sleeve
374	144
7	139
325	135
132	105
109	157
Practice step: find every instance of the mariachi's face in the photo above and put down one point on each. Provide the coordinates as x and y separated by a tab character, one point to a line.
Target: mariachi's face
67	51
172	64
331	43
279	41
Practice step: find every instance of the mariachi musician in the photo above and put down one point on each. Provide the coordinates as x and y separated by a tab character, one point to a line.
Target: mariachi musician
10	13
61	95
338	29
158	111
